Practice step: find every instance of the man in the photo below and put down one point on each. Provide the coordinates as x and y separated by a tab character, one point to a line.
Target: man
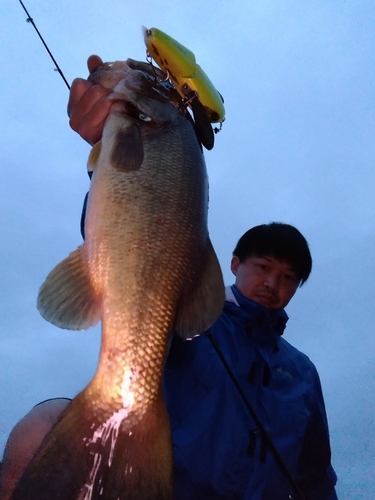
266	438
221	451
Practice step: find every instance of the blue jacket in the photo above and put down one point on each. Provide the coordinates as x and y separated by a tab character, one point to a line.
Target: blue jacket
218	451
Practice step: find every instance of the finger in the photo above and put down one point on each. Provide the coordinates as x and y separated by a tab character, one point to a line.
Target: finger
77	91
88	105
88	117
89	102
91	127
92	135
93	62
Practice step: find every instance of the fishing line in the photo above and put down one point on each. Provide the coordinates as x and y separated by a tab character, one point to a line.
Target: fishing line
258	423
30	20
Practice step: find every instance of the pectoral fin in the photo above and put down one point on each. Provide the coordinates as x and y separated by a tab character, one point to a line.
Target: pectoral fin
201	304
67	298
127	154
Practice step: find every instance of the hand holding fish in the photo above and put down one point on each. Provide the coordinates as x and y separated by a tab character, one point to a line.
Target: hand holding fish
89	105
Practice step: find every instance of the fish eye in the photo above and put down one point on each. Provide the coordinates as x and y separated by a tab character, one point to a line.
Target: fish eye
144	118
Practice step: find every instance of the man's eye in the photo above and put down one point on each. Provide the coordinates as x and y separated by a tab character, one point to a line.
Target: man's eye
291	277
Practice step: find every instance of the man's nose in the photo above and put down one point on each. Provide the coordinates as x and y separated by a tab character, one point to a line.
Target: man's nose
271	281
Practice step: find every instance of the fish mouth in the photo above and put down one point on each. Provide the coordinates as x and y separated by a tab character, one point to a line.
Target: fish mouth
129	78
155	84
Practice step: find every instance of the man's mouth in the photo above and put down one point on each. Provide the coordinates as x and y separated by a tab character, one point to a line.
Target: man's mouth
266	297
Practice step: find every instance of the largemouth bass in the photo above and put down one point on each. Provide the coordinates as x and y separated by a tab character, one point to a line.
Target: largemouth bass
147	268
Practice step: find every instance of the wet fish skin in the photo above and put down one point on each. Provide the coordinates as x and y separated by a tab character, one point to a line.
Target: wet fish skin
146	268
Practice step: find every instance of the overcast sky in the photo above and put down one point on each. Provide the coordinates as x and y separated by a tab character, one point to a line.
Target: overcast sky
298	146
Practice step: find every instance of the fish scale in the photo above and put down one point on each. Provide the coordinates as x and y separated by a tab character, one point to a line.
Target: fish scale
146	269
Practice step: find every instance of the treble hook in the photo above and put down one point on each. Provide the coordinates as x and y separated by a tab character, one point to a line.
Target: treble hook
157	78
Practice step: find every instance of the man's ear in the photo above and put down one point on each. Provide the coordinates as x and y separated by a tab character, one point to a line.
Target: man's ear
235	262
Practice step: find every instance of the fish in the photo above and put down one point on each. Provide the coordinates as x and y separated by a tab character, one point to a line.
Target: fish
147	270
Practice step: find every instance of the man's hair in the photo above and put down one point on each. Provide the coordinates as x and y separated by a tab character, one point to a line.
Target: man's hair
280	241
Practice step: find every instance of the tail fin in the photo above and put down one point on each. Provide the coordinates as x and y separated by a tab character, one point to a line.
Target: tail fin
86	458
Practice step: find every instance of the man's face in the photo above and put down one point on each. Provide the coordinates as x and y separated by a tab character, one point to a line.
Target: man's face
266	280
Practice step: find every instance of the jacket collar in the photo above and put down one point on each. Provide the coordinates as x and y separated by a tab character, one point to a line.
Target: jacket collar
260	316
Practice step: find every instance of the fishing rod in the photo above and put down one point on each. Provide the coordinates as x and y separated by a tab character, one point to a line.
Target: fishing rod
265	436
57	68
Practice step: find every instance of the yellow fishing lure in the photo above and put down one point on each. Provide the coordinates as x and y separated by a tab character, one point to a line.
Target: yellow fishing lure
179	64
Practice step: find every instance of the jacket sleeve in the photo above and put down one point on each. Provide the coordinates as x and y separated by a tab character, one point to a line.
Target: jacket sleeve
316	476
